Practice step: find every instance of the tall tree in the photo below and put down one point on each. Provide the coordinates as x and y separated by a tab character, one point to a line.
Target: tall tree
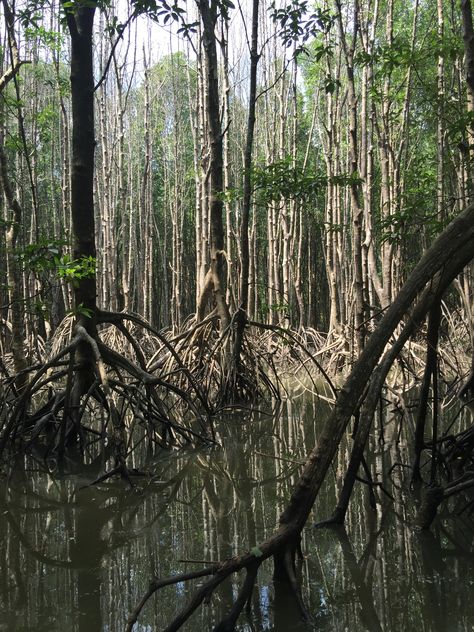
80	21
247	195
214	282
15	215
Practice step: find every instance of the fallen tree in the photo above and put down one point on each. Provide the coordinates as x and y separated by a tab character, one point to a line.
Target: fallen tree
438	267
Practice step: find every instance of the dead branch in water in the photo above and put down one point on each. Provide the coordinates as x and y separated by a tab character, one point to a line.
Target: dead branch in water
436	269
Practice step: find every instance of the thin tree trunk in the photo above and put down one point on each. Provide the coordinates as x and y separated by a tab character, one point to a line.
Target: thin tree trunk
357	213
215	278
15	294
242	316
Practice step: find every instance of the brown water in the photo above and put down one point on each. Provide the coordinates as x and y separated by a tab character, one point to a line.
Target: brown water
75	558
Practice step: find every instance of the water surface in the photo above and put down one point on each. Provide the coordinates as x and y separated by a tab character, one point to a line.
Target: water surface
78	558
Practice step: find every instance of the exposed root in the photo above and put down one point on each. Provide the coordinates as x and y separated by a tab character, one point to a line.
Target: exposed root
457	460
281	542
90	396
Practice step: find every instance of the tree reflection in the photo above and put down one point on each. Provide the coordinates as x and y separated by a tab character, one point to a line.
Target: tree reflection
78	557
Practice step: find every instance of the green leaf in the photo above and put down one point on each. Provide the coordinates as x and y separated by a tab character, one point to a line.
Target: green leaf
81	309
256	551
84	311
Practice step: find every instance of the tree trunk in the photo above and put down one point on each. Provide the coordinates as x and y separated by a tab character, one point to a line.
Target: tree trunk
215	277
357	213
83	146
14	217
454	246
247	197
80	24
434	321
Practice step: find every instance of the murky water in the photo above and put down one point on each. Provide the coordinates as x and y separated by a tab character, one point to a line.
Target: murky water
79	558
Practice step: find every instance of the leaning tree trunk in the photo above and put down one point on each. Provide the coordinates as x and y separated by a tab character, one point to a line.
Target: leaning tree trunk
443	261
430	300
454	246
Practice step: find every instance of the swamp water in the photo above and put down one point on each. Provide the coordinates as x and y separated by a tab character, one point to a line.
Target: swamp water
77	558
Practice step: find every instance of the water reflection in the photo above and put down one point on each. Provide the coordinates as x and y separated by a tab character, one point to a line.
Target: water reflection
79	558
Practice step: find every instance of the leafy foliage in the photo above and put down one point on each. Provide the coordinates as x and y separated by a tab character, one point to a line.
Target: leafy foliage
46	255
286	180
75	269
297	25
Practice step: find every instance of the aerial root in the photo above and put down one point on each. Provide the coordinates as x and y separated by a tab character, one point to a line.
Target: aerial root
87	379
243	599
455	455
218	573
284	545
300	354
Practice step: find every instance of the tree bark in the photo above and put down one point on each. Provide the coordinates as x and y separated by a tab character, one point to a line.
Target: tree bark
83	145
247	197
80	24
215	278
434	320
15	217
455	245
444	260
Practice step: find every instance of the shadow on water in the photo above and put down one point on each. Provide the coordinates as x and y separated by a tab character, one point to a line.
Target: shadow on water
79	558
